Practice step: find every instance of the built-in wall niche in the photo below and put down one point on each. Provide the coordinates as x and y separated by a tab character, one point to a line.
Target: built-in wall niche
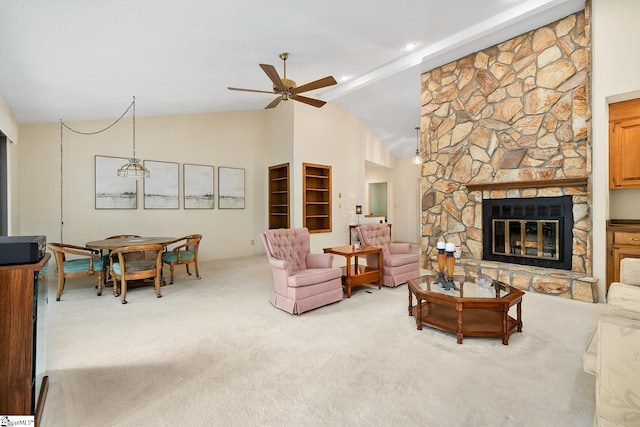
378	185
378	199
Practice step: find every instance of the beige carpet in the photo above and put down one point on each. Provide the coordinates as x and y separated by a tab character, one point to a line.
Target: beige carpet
214	352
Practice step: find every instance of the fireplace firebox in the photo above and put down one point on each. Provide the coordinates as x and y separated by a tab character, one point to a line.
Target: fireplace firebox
530	231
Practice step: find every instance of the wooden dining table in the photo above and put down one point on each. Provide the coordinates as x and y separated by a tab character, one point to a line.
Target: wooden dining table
111	244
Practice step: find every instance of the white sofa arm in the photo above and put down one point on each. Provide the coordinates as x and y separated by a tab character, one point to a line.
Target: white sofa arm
624	300
618	371
630	271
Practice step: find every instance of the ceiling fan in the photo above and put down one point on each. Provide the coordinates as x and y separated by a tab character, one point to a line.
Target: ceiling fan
286	89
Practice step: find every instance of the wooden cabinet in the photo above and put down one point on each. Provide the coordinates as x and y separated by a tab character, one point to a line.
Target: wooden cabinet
279	201
22	297
624	144
316	203
623	241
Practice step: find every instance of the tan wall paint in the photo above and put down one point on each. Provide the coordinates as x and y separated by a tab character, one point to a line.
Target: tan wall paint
252	140
336	138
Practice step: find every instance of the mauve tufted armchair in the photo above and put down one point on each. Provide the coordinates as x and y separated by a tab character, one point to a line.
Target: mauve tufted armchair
302	281
399	264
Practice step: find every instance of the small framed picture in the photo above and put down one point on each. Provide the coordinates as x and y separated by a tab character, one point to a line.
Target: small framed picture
198	183
230	188
161	187
113	191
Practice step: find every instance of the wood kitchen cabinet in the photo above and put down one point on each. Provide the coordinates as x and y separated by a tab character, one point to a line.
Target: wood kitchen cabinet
624	144
623	241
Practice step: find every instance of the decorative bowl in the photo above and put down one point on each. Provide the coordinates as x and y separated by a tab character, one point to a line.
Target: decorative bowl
484	282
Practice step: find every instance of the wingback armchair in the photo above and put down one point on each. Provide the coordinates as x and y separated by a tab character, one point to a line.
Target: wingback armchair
302	281
399	264
612	353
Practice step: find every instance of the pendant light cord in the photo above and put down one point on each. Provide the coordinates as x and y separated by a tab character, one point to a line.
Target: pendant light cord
64	125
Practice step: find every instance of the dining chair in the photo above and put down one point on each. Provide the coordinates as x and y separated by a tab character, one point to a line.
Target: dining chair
88	262
107	252
186	252
136	262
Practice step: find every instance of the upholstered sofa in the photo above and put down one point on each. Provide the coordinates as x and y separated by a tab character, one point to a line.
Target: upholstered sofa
613	353
399	263
302	281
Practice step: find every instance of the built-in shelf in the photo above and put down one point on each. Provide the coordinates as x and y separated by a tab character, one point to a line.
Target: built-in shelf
560	182
316	204
279	201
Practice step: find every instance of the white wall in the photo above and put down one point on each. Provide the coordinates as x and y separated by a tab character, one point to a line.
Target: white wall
406	202
220	139
615	35
331	136
9	126
252	140
8	122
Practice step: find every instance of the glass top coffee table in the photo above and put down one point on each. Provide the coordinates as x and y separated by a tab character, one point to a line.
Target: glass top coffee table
473	310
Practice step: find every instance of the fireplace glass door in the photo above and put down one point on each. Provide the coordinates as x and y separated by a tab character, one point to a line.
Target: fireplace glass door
526	238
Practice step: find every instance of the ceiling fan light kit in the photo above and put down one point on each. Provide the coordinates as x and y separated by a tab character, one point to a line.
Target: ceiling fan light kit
287	89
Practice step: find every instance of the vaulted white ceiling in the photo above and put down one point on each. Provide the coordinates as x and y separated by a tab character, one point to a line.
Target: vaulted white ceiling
85	59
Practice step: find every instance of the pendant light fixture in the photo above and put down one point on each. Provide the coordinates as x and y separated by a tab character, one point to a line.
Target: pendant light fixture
134	168
417	159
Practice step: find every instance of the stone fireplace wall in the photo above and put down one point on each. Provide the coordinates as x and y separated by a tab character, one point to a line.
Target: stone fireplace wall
512	120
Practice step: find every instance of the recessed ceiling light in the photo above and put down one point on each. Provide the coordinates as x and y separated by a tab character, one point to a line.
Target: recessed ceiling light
409	46
344	78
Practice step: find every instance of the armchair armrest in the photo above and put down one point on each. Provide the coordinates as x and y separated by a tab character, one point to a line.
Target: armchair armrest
279	263
319	260
81	250
400	248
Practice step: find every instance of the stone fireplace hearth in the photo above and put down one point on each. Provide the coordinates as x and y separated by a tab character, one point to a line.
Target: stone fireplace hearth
511	121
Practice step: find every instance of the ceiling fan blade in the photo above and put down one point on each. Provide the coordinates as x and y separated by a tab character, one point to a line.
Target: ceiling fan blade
324	82
250	90
274	103
310	101
271	72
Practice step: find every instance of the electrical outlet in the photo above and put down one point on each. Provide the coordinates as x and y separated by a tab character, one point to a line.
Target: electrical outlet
253	242
339	205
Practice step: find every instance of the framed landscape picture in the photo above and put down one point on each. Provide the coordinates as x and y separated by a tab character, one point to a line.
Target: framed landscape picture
230	188
113	191
161	188
198	186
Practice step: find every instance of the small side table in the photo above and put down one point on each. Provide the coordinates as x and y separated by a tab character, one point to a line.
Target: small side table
355	274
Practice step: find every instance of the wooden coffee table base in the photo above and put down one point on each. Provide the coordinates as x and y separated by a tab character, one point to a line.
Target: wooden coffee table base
470	323
469	311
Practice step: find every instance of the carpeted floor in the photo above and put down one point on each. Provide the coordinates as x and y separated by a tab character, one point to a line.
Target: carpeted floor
214	352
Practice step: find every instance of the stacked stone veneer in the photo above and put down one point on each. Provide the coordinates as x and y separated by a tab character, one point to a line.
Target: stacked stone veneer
515	114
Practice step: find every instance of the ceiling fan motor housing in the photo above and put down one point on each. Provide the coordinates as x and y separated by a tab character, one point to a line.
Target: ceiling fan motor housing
289	84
